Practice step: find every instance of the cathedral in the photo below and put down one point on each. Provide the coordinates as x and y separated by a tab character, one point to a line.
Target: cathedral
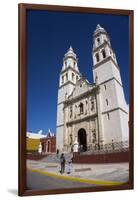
91	114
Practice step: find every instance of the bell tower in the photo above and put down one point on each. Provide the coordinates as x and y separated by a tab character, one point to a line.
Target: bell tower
67	81
112	106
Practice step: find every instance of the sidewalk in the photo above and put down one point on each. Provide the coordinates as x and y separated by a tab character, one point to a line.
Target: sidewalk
104	173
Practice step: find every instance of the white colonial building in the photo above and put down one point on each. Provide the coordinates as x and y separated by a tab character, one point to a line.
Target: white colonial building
93	114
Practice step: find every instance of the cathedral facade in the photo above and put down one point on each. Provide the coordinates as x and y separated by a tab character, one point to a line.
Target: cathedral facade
91	114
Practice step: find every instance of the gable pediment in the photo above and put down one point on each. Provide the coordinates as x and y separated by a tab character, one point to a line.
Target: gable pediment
81	87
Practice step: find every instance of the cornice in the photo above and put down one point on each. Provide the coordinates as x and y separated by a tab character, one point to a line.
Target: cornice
71	69
102	45
114	109
104	61
81	120
81	96
68	82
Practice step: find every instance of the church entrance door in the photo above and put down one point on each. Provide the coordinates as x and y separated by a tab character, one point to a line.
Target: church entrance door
82	139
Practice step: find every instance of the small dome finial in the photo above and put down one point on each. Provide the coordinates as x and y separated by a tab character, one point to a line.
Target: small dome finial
70	48
98	26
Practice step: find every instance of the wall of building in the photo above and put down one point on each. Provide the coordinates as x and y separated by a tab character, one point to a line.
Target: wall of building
51	141
32	144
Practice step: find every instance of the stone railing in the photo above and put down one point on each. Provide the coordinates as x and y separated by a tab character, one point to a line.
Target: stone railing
122	146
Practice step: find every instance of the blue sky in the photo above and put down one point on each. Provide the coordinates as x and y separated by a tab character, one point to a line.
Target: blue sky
49	35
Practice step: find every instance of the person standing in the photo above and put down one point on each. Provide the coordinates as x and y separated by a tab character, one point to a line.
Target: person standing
62	163
57	153
69	167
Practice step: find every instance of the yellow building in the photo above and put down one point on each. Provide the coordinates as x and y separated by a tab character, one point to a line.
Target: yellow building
32	144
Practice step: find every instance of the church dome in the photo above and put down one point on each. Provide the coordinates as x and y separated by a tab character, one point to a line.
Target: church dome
99	29
70	53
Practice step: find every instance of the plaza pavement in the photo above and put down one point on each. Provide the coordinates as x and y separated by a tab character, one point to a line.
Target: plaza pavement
100	174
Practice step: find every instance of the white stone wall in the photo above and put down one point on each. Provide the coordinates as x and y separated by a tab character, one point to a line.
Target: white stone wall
60	114
112	129
111	97
108	93
106	71
124	126
121	97
63	93
116	128
60	138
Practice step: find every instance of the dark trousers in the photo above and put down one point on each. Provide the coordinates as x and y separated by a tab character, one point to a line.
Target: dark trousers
62	167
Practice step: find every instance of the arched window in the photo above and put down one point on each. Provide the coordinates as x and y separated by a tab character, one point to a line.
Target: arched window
103	53
105	87
76	77
81	108
62	79
107	102
97	57
92	105
74	64
73	76
98	40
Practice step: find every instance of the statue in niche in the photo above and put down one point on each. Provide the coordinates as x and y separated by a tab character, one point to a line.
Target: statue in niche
70	139
94	136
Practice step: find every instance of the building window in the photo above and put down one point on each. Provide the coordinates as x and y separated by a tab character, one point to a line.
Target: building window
92	105
108	117
105	87
103	53
62	79
81	108
96	78
76	77
107	102
97	57
66	76
65	64
98	40
74	64
73	76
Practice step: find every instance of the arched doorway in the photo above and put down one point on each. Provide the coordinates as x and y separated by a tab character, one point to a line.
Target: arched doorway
48	146
82	139
43	147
